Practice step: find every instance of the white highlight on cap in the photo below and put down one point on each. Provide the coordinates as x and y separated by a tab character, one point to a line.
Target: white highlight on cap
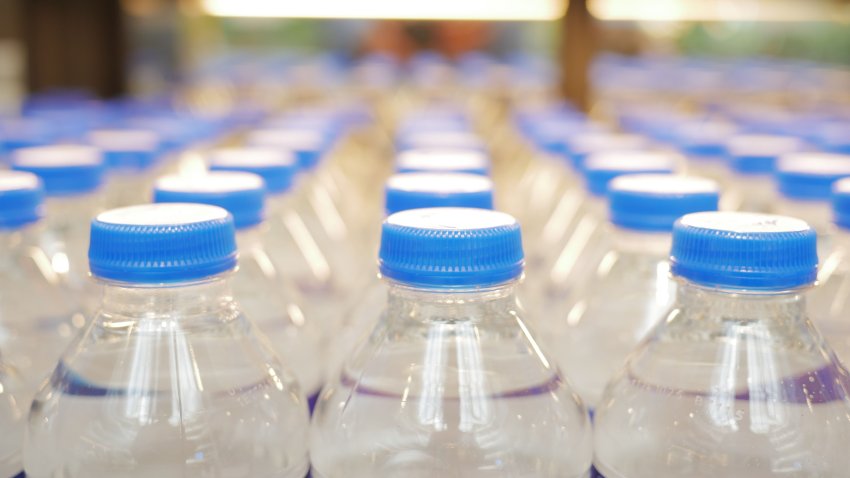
815	164
451	218
289	138
762	145
258	157
125	140
744	222
439	159
212	182
443	139
664	184
165	214
630	161
441	183
842	186
18	180
705	132
58	156
592	142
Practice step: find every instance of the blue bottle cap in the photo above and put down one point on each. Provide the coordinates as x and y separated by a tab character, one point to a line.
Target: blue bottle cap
451	248
65	170
443	160
653	202
309	145
21	199
841	203
277	167
601	168
241	194
757	154
581	146
429	190
127	149
703	140
809	176
746	251
162	243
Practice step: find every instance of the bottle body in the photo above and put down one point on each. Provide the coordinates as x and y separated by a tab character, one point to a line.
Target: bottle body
830	299
169	382
732	384
453	385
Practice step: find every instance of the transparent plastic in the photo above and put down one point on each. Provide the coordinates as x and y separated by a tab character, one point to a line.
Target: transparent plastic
38	314
750	193
269	298
830	300
13	413
592	335
168	381
450	384
731	383
817	213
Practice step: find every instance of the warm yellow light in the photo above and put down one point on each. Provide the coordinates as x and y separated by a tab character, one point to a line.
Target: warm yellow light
391	9
719	10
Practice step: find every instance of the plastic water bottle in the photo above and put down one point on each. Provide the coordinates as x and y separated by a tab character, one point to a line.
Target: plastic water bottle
132	160
263	288
451	382
73	178
443	160
752	162
405	191
169	379
735	381
703	142
290	243
830	300
805	185
628	290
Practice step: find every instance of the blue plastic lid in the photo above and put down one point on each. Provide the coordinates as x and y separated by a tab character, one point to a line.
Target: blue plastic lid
757	154
241	194
65	170
429	190
127	149
809	176
21	199
451	248
653	202
308	145
278	168
581	146
162	243
601	168
748	251
443	160
841	203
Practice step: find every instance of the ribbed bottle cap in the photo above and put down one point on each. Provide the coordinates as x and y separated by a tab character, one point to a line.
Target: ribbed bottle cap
809	176
443	160
757	154
21	199
841	203
161	243
429	190
307	144
581	146
653	202
441	140
278	168
601	168
451	247
744	251
241	194
65	170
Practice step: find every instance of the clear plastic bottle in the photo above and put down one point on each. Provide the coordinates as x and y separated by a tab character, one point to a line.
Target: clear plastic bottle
804	183
169	379
263	288
404	191
132	158
752	162
73	178
590	334
450	383
735	381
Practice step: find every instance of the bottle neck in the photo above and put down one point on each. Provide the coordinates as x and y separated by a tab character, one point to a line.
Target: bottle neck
78	210
407	303
642	242
279	203
201	299
249	238
742	305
